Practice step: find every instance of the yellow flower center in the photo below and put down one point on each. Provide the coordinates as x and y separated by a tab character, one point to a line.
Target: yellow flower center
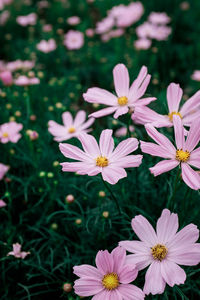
5	134
170	115
122	100
182	155
101	161
159	252
71	130
110	281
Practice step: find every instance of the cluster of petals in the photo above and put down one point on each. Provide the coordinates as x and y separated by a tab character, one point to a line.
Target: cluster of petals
101	158
23	80
74	40
3	170
127	97
17	251
110	280
27	20
162	250
182	155
46	46
188	112
71	128
9	132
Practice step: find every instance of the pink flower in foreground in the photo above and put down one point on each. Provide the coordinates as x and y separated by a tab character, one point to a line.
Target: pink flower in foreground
6	77
183	154
17	251
74	40
46	46
2	203
9	132
189	111
3	170
196	75
164	250
71	128
101	158
127	97
110	280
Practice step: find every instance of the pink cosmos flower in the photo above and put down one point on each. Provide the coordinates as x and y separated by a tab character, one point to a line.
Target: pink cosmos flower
123	131
6	77
71	128
27	20
110	280
145	30
104	25
17	251
46	46
127	97
164	250
19	64
74	20
2	203
188	112
183	154
101	158
23	80
160	33
142	44
159	18
196	75
74	39
9	132
3	170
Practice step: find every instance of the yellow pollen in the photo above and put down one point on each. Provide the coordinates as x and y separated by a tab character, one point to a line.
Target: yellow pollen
5	134
182	155
159	252
170	115
110	281
122	100
71	130
101	161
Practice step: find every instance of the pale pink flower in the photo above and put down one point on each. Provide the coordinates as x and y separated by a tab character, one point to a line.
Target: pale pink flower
104	25
110	279
74	20
182	155
6	77
2	203
19	64
101	158
24	80
74	39
27	20
196	75
159	18
47	28
188	112
3	170
142	44
123	131
127	97
71	128
9	132
46	46
160	33
164	250
17	251
145	30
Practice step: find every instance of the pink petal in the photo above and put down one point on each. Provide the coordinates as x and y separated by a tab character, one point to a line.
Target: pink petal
103	112
191	104
121	80
104	262
119	256
112	174
130	161
137	83
89	144
172	273
101	96
190	177
188	255
87	124
141	90
67	119
87	271
174	95
135	246
188	235
141	260
120	111
193	136
73	152
80	118
128	274
130	292
124	148
144	230
155	150
57	129
143	102
179	132
154	282
188	119
106	143
2	203
164	166
108	295
160	139
167	226
87	287
81	168
195	158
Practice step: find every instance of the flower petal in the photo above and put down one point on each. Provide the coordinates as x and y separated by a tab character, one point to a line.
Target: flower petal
73	152
124	148
144	230
167	226
193	136
188	235
154	282
121	80
188	255
172	273
130	292
104	262
103	112
80	118
112	174
164	166
174	95
130	161
101	96
67	119
155	150
190	177
119	256
191	104
120	111
179	132
89	144
106	142
87	271
87	287
141	260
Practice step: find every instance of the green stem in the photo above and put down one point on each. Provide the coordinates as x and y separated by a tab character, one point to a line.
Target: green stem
171	199
128	134
112	195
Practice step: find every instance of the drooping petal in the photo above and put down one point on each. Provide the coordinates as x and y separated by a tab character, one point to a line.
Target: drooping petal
104	262
103	112
172	273
87	287
73	152
155	150
87	271
143	102
154	282
143	115
124	148
80	118
141	90
164	166
121	80
179	132
167	226
67	119
190	177
112	174
89	144
120	111
106	142
130	161
130	292
191	104
174	95
193	136
144	230
101	96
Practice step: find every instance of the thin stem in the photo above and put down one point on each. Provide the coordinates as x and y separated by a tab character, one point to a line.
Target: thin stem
171	199
112	195
128	134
